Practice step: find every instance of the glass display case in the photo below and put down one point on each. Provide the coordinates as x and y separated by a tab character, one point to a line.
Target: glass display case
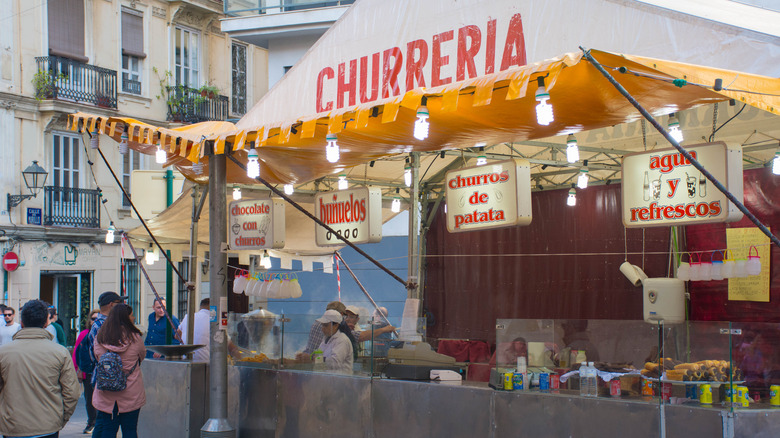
294	341
707	364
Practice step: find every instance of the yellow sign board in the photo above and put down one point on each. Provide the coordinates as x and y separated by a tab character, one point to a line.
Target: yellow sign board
751	288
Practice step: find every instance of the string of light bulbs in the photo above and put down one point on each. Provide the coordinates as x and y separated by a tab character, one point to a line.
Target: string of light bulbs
94	143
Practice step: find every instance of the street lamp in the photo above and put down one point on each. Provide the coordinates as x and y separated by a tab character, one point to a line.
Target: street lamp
34	178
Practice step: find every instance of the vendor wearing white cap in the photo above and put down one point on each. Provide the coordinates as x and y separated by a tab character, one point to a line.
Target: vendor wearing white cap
336	348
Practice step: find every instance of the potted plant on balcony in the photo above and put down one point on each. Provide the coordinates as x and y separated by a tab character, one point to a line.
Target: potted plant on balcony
175	96
45	83
209	91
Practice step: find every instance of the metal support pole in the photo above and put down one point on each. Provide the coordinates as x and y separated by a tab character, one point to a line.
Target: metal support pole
168	271
193	264
217	425
414	227
680	149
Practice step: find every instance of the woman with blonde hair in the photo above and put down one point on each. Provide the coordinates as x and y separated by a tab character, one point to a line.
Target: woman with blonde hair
119	335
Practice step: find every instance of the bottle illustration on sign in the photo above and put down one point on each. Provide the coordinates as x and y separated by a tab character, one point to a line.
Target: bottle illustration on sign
702	185
646	188
691	184
656	183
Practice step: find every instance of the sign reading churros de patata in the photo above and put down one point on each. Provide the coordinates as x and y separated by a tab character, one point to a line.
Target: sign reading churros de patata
662	187
494	195
256	224
355	214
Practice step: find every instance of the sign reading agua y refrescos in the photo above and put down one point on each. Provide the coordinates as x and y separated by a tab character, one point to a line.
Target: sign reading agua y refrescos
355	214
662	187
494	195
256	224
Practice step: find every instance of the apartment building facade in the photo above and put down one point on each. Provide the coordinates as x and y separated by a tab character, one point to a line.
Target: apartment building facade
162	62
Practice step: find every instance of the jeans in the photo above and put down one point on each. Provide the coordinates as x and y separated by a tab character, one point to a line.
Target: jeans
107	424
88	389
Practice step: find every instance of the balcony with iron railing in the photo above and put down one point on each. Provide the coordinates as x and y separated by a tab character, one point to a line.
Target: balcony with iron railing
237	8
71	207
192	105
65	79
131	86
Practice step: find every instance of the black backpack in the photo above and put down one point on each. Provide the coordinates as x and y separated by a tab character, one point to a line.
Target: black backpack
83	361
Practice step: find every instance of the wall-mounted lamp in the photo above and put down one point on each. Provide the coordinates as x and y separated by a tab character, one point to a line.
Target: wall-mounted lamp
34	178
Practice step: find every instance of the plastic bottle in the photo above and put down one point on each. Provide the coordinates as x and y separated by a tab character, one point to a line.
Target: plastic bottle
593	380
584	390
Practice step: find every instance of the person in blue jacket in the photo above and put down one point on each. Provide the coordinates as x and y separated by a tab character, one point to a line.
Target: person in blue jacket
156	331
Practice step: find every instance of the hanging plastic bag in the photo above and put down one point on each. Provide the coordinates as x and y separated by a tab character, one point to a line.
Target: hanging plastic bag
728	264
684	269
705	270
740	268
263	290
297	292
753	266
285	291
240	281
717	266
696	267
250	286
275	288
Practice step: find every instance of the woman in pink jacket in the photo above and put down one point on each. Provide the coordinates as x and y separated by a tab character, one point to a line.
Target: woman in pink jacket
120	408
84	378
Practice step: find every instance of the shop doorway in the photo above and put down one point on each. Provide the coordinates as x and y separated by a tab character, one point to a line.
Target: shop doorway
71	293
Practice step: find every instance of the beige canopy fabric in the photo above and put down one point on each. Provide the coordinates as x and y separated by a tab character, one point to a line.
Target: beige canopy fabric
172	227
489	110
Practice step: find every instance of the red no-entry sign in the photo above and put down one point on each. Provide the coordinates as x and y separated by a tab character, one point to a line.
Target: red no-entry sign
10	261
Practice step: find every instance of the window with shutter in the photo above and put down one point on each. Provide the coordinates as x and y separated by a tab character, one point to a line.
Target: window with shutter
132	50
66	29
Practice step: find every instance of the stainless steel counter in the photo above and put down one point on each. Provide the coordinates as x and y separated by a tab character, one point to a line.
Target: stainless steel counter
271	403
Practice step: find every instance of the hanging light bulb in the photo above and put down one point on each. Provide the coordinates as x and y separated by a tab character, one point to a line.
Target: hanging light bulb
408	174
674	128
289	189
123	143
481	160
252	165
160	156
332	149
343	183
571	201
110	233
544	111
197	168
582	180
421	126
236	193
149	256
776	164
572	150
395	207
265	260
94	141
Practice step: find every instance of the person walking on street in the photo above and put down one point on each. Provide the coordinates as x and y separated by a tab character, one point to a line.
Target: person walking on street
120	407
106	302
55	328
84	368
8	328
38	385
155	335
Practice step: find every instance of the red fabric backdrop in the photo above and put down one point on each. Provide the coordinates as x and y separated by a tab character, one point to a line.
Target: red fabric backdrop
709	300
565	265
